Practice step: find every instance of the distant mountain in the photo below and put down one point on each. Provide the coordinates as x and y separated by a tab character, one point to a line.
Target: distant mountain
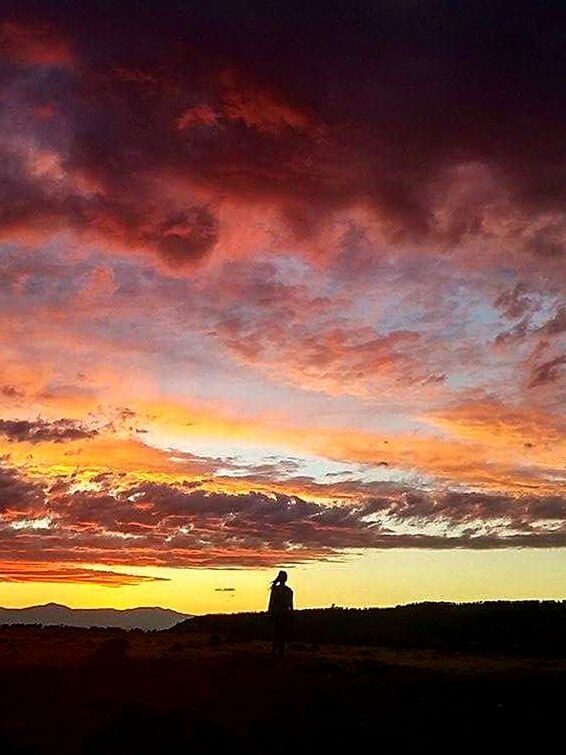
53	614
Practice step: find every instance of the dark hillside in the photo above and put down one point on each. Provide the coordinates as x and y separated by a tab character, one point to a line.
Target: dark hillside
523	628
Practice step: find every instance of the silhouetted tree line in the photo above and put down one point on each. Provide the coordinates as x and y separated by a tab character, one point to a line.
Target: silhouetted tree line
516	628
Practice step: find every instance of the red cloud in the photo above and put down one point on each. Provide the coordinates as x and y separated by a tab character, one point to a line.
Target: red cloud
198	115
262	111
313	121
63	573
34	44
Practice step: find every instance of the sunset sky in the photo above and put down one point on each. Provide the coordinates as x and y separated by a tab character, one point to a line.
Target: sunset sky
282	286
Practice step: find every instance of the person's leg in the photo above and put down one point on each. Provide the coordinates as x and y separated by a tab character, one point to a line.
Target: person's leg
284	633
275	636
282	637
278	637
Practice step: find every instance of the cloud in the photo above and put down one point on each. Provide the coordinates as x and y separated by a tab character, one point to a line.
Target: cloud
65	574
42	431
547	372
34	45
158	524
330	234
557	323
19	495
482	418
517	301
160	132
10	391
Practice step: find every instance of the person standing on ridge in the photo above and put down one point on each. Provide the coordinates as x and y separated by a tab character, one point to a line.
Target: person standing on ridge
280	611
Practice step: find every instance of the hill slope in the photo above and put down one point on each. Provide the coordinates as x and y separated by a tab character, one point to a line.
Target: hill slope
520	627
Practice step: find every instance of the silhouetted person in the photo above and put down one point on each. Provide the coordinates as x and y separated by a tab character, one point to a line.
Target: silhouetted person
280	611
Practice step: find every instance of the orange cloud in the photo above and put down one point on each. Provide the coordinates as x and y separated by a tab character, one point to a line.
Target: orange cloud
528	436
23	571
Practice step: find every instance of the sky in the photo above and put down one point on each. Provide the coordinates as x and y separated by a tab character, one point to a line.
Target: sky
282	286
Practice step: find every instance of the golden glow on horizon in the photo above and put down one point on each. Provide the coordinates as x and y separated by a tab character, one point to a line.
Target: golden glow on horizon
379	578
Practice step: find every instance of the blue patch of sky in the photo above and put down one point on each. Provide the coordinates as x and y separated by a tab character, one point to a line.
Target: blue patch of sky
241	460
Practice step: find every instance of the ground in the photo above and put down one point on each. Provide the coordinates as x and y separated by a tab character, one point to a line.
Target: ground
103	691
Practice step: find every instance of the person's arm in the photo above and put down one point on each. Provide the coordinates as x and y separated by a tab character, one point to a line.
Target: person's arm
270	604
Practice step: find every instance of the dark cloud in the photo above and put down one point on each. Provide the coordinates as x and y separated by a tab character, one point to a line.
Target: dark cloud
457	508
547	372
18	495
10	391
557	323
161	113
41	430
517	301
168	525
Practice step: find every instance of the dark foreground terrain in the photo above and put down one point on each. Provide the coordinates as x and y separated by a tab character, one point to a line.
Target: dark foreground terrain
69	690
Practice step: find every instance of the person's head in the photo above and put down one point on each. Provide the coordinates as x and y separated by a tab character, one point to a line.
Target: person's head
280	579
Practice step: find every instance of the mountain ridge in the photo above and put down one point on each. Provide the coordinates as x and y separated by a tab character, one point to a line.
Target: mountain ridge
57	614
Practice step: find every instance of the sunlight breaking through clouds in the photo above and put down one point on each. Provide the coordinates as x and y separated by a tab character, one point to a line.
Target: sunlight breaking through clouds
276	294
